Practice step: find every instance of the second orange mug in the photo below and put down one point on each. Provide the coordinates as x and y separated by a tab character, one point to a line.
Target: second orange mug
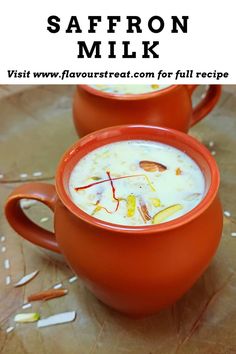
170	107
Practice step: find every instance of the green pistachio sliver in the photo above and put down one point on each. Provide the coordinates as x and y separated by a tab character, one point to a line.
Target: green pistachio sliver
27	317
131	205
95	178
156	202
98	208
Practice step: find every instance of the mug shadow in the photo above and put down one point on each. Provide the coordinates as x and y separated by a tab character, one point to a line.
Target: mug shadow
171	328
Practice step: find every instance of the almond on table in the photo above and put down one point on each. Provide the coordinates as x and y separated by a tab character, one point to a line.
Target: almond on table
105	184
26	279
57	319
47	295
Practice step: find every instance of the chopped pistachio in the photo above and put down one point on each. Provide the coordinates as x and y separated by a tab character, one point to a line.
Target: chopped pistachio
98	208
27	317
95	178
131	205
156	202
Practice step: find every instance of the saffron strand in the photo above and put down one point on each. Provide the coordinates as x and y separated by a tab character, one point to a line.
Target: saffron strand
114	179
113	191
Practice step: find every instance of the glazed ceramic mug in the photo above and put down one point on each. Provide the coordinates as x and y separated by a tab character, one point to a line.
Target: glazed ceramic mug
134	269
170	107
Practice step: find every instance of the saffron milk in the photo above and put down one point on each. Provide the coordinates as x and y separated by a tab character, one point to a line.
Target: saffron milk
136	182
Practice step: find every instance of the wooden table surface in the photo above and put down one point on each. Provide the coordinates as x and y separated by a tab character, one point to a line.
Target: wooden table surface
35	129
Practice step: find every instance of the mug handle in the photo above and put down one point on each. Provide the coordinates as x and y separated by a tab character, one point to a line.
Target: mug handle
206	104
43	192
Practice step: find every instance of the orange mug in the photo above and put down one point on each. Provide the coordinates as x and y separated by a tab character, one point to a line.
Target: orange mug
170	107
137	270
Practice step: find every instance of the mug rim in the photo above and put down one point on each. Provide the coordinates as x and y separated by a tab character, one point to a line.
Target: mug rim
130	97
145	229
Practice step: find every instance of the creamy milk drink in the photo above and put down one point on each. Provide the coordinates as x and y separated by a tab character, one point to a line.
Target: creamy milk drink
136	183
129	89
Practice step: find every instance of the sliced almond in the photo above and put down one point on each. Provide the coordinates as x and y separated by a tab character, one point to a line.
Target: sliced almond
26	279
131	205
141	214
47	295
27	317
152	166
178	171
57	319
166	213
144	210
192	196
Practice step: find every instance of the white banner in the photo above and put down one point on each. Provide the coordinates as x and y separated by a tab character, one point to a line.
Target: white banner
168	42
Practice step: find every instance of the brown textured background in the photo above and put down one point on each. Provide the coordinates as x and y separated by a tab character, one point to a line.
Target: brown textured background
35	129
